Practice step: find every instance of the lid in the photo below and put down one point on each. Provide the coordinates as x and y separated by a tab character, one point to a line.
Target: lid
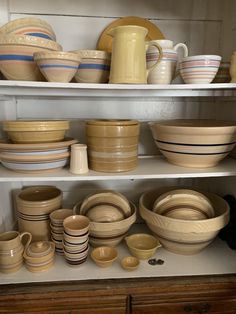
39	249
116	122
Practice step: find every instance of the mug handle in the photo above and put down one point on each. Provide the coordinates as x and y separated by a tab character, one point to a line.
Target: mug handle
185	48
149	44
22	234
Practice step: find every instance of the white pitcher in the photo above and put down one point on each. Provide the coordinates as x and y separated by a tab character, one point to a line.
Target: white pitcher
165	71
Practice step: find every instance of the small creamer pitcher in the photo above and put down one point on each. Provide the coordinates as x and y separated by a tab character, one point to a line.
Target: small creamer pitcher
128	61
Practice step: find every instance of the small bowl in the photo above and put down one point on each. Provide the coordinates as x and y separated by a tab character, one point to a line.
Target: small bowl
104	256
142	245
130	263
57	216
57	66
76	225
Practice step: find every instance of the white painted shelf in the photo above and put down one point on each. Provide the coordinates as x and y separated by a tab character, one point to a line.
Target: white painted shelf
155	167
217	258
47	89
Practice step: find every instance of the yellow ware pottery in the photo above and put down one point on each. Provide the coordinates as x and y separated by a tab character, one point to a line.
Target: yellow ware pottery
128	62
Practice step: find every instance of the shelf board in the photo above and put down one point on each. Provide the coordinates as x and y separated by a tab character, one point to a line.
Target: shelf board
150	167
216	259
47	89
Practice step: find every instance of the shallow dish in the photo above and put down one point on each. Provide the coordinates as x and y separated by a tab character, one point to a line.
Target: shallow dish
142	245
104	256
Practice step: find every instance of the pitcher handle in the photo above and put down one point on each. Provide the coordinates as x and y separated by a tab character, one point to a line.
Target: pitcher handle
22	234
149	44
185	48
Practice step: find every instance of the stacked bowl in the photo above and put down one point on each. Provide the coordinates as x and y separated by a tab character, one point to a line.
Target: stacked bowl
34	205
184	231
19	40
194	143
75	239
36	146
56	223
111	215
112	144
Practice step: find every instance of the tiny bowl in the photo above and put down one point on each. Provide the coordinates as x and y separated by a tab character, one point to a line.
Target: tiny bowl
58	66
142	245
104	256
130	263
199	69
76	225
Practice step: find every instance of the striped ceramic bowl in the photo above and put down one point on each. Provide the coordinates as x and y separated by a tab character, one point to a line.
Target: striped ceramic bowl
200	69
57	66
94	66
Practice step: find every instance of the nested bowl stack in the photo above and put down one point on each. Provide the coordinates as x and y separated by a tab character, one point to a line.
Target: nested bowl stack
112	144
183	236
34	205
107	227
199	143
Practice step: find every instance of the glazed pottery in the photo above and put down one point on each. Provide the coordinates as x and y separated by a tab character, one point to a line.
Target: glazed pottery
16	56
128	63
104	256
165	71
130	263
39	256
112	145
29	26
11	250
79	159
94	66
223	75
199	69
57	66
35	131
232	69
142	245
183	236
76	225
194	143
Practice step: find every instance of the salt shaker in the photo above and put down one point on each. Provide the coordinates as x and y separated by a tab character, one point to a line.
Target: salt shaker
78	159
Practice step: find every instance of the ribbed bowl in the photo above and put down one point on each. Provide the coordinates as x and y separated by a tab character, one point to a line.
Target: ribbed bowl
183	236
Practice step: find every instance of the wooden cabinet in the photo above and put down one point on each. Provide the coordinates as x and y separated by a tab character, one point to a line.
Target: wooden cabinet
194	295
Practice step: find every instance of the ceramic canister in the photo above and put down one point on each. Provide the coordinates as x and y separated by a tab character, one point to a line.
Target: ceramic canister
165	71
11	250
78	159
112	144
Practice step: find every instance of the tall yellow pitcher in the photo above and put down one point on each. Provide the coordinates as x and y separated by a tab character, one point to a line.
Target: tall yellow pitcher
128	62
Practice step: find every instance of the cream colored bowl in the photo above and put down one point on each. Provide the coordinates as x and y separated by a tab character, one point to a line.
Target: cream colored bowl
36	131
104	256
184	236
130	263
142	245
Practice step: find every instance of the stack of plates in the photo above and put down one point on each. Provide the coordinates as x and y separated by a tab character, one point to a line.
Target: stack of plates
36	157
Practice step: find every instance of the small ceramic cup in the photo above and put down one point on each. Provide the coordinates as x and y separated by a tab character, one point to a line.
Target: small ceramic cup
11	250
79	159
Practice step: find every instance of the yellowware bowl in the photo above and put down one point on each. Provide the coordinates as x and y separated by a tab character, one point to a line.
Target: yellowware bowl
183	236
29	26
130	263
57	66
16	56
142	245
104	256
36	131
194	143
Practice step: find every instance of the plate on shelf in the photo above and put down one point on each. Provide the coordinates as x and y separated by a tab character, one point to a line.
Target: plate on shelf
105	40
8	146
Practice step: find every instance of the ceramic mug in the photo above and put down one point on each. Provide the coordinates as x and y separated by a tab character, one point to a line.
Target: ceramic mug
78	159
128	62
165	71
11	250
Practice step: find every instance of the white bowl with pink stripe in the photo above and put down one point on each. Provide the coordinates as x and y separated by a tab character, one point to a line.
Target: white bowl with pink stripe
199	69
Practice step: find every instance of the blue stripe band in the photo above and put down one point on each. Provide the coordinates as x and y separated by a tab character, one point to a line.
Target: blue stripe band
16	57
94	66
40	35
43	66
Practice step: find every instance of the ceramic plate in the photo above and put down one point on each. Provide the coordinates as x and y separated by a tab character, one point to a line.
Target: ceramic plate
36	146
105	41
